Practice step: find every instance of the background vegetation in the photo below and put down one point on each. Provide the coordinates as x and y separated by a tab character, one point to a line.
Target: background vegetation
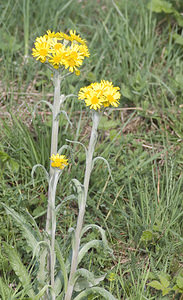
138	46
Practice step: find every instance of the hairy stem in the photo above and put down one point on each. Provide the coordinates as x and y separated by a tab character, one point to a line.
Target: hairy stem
51	217
80	220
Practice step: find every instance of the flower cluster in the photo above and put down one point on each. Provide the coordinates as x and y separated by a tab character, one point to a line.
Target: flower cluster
59	161
100	94
61	50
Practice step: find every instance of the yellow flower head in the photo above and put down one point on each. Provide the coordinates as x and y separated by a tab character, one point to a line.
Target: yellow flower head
59	161
61	50
112	276
100	94
42	49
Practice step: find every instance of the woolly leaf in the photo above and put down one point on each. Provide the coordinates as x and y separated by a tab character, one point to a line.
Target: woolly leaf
102	232
42	273
5	290
65	114
60	258
88	279
95	290
42	101
106	162
19	269
34	169
58	283
80	191
84	250
41	293
27	231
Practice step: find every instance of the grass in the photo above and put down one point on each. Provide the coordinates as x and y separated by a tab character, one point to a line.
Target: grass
141	210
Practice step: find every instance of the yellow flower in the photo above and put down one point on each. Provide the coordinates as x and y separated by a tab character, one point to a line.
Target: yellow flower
73	58
42	49
111	93
84	50
112	276
56	45
60	49
50	34
100	94
59	161
75	37
94	100
57	58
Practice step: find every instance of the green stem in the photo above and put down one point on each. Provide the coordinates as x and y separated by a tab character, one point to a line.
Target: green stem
80	220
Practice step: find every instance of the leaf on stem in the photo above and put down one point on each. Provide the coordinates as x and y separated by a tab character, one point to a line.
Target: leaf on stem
62	264
80	191
19	269
105	160
75	142
84	250
88	279
32	236
66	115
34	169
42	101
5	290
95	290
102	232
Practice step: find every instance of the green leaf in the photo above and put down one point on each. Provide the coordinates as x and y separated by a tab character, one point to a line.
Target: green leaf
126	92
95	290
87	281
166	291
19	269
4	157
160	6
106	124
179	282
179	18
164	279
147	236
13	165
178	39
156	285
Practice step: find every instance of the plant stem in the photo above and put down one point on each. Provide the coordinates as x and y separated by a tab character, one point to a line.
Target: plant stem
26	6
54	175
89	158
54	141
